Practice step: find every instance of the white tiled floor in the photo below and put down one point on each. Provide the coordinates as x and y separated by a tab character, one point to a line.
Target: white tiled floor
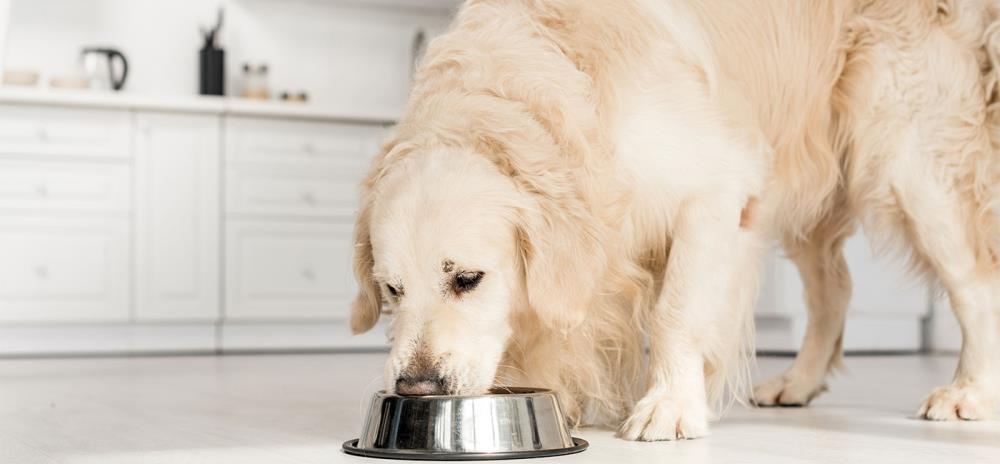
300	408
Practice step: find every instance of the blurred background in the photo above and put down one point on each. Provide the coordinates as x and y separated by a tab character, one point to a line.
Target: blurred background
180	177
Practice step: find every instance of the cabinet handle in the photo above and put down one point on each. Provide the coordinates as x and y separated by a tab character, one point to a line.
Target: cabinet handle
309	274
309	198
309	148
42	272
43	135
42	190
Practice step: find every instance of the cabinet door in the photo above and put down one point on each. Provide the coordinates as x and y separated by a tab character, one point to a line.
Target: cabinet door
178	225
288	271
64	269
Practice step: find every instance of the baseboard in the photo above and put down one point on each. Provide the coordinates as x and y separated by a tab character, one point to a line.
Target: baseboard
182	338
84	339
294	336
872	333
775	334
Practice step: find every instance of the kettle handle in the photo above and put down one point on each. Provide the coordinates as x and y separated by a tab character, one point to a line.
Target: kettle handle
118	83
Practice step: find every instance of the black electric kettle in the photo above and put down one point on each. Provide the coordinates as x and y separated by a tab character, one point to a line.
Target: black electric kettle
99	66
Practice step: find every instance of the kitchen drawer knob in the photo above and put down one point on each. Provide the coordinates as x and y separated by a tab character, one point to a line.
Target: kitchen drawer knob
309	148
308	198
309	274
43	135
42	272
42	190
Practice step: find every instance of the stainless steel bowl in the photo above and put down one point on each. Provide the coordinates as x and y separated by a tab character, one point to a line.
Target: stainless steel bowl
506	424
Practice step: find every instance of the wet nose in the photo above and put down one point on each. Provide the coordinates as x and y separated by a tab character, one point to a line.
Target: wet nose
427	384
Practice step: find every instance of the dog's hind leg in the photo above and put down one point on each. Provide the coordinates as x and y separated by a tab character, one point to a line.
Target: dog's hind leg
943	228
920	165
821	264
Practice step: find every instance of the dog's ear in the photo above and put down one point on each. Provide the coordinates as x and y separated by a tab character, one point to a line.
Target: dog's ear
368	304
563	263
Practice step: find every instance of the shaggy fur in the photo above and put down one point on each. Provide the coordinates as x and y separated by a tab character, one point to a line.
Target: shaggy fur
615	169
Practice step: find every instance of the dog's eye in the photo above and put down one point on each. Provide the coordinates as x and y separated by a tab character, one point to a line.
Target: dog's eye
396	293
467	281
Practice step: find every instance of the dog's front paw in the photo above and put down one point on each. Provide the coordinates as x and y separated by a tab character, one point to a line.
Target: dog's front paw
787	390
663	417
959	401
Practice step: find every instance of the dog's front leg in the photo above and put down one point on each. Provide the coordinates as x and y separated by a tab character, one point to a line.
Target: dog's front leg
698	273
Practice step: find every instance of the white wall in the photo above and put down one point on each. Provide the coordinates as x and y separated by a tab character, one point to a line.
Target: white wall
346	52
4	11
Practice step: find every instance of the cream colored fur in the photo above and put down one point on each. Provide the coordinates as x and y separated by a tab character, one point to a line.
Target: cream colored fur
616	169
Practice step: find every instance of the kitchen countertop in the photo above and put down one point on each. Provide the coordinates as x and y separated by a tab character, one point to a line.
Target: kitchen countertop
198	104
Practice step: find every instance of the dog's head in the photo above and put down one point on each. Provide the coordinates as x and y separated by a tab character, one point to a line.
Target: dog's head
452	248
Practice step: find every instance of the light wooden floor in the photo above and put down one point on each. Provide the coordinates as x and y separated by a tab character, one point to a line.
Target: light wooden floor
300	408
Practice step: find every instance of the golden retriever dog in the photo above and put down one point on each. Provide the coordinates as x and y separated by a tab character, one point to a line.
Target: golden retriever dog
577	181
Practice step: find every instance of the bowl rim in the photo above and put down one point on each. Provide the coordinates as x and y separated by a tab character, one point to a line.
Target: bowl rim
511	392
351	447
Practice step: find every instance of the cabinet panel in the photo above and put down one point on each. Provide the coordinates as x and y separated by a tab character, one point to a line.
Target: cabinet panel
178	223
288	270
304	144
49	186
280	192
34	130
64	269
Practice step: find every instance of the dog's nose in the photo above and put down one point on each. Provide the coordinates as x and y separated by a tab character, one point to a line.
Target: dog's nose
420	385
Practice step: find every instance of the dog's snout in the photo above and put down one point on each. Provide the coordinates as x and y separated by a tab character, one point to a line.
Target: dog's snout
428	384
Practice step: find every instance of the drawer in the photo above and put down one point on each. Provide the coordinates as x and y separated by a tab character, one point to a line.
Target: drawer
301	143
256	191
30	130
288	271
64	270
33	186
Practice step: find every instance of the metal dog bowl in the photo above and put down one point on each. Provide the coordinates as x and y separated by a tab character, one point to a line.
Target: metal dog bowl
510	423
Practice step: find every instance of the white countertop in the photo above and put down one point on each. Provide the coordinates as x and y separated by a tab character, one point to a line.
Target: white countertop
198	104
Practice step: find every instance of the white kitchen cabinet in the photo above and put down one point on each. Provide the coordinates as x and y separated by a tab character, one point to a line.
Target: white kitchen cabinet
65	203
64	269
885	314
177	162
291	194
130	225
288	271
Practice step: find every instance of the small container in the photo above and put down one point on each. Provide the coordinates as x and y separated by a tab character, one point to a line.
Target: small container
76	81
20	78
255	81
508	423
